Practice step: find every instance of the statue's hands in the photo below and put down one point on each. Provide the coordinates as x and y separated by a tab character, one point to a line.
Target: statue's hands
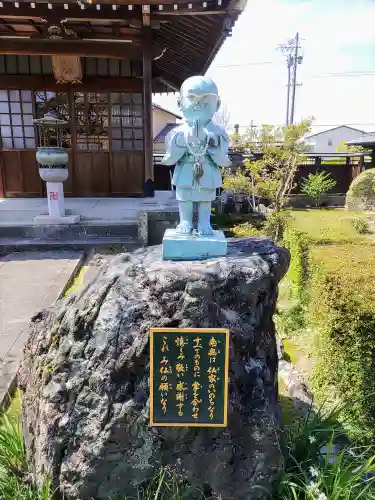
196	133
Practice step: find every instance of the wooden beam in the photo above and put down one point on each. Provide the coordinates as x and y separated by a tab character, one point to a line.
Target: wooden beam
73	12
172	15
111	50
147	104
125	3
170	82
89	83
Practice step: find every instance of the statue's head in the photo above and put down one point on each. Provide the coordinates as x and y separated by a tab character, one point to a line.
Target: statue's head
199	98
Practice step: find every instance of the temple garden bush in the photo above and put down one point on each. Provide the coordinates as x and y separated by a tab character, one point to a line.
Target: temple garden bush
342	314
361	226
361	194
291	310
315	185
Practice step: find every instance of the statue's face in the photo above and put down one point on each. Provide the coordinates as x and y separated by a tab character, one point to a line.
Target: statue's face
196	103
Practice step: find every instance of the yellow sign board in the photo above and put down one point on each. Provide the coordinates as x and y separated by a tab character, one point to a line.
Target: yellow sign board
189	370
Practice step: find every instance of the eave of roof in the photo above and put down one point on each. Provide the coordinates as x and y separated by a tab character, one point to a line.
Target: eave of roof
366	141
157	106
334	128
189	35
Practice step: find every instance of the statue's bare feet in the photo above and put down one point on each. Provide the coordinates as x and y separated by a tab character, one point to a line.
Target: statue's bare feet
184	228
205	230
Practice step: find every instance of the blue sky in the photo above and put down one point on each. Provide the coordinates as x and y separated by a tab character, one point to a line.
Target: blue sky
338	40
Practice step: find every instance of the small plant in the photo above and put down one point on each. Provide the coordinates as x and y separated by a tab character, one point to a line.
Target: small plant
245	229
14	471
166	485
321	463
275	225
12	450
238	183
315	185
360	225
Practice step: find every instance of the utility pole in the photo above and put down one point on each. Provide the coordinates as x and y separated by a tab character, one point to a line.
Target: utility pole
291	49
296	61
289	63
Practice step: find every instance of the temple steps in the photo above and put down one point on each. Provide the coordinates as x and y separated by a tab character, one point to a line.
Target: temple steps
83	236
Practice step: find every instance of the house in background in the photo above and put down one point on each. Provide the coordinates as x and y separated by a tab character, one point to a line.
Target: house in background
328	140
163	121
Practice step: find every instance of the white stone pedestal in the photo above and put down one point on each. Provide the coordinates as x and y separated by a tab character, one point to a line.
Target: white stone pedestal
55	196
56	207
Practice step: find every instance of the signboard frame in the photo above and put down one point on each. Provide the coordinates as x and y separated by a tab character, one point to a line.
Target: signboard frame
199	331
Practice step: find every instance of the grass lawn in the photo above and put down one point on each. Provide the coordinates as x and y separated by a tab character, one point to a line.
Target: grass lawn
327	226
354	263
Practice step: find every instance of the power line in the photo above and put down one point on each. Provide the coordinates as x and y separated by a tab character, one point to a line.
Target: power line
320	125
314	75
255	63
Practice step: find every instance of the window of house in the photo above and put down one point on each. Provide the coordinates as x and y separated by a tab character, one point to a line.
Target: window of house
127	121
16	119
329	142
102	121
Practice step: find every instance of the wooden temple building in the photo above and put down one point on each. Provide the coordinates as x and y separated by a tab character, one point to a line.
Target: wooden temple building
97	64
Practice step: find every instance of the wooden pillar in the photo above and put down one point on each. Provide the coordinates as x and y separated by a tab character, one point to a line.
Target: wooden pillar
373	158
361	164
317	162
147	111
2	184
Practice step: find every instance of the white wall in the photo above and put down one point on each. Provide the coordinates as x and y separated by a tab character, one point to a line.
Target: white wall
327	142
159	120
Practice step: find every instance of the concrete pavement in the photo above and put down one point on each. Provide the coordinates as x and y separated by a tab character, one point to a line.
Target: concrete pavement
29	281
14	211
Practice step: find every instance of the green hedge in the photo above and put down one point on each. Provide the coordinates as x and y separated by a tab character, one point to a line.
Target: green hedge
341	314
296	242
291	306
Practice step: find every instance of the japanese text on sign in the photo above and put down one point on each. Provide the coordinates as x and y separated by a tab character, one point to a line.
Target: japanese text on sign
189	377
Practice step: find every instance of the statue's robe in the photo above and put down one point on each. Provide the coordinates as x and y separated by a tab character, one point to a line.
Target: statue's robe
177	154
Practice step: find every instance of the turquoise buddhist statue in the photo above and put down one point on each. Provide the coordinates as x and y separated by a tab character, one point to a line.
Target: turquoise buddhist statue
199	148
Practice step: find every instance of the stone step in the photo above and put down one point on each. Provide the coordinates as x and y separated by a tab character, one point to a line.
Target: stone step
68	232
119	243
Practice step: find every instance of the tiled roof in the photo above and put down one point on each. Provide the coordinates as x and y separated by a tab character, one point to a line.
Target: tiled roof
160	137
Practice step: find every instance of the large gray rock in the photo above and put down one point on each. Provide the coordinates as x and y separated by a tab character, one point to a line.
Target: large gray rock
86	382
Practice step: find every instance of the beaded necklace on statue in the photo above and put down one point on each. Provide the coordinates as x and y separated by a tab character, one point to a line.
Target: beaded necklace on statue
197	154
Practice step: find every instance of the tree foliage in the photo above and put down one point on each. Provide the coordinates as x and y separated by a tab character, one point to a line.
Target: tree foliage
315	185
344	148
278	152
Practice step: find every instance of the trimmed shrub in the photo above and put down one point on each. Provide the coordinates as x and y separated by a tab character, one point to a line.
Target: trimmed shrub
296	242
361	226
342	315
245	229
361	194
275	225
291	318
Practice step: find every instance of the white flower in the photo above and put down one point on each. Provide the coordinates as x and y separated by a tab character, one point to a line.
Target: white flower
321	496
312	488
312	439
314	472
351	453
